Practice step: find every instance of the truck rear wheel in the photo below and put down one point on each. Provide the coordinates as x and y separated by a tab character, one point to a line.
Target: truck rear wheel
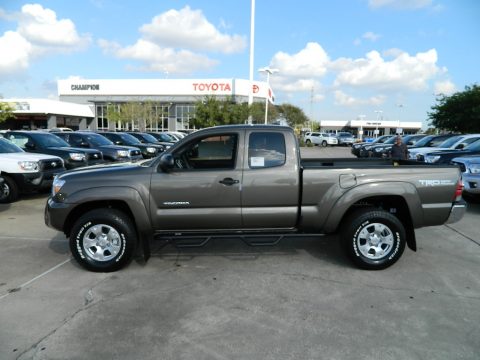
373	239
103	240
8	190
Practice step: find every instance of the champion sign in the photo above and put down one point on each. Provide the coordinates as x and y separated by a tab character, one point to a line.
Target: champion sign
85	87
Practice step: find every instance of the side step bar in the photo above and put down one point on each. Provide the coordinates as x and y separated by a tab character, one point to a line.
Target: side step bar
199	240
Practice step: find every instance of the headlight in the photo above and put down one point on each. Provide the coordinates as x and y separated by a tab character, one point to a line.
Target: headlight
151	150
28	165
367	147
432	158
57	185
475	168
77	156
122	153
378	149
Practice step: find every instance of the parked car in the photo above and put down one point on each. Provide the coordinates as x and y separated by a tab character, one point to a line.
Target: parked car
361	149
145	138
345	138
320	138
111	152
163	137
470	167
23	172
382	150
41	142
445	156
453	143
430	141
122	138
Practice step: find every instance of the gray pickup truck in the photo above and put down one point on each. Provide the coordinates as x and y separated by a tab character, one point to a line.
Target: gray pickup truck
249	182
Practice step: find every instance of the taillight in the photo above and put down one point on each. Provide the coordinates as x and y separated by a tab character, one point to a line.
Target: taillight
458	191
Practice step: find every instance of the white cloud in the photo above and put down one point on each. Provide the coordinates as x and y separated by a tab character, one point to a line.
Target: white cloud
445	87
312	61
404	71
341	98
190	29
172	42
39	32
158	59
371	36
15	52
400	4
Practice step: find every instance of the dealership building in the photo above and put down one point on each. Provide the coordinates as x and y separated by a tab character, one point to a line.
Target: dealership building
85	103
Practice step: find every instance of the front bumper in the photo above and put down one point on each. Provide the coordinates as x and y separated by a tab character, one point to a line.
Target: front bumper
55	214
471	183
457	212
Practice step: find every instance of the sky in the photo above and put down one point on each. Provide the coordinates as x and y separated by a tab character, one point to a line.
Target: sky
337	60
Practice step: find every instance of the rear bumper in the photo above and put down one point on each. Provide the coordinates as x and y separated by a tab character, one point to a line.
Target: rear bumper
457	212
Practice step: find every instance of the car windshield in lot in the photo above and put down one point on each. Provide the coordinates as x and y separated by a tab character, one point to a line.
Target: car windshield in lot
8	147
129	139
148	138
49	140
97	140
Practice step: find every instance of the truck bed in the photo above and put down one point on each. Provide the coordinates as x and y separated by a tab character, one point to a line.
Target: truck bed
357	163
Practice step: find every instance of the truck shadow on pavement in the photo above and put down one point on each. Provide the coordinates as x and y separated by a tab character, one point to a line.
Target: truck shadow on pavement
324	248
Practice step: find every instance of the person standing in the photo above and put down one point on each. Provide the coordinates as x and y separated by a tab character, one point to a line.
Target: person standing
399	150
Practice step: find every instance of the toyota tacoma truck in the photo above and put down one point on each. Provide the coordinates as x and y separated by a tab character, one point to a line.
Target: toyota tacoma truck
249	182
23	172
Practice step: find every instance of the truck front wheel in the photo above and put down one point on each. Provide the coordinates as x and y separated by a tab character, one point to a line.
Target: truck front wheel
8	190
373	239
103	240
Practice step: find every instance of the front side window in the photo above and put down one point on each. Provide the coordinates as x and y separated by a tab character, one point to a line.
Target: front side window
212	152
266	150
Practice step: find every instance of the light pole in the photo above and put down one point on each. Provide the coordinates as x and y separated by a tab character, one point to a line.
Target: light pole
252	48
379	114
267	95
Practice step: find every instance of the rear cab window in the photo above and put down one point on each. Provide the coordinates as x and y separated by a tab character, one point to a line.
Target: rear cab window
266	149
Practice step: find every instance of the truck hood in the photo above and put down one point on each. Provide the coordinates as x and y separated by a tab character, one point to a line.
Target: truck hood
76	149
103	169
26	156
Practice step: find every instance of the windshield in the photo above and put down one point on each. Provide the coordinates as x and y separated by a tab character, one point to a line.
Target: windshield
450	142
148	138
97	140
129	139
8	147
49	140
423	142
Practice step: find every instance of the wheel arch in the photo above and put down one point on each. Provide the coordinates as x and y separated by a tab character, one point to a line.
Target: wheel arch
396	205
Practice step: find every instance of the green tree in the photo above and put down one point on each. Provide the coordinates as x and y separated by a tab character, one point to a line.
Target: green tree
459	112
214	112
6	112
294	115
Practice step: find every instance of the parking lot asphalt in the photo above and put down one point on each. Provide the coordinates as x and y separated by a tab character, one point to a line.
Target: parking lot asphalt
301	299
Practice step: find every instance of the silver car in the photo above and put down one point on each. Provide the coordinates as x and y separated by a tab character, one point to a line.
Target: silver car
470	167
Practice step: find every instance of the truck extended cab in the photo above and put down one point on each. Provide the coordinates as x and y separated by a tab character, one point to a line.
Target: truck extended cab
249	181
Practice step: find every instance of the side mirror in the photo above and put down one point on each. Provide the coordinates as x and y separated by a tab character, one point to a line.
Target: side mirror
460	146
118	142
167	162
84	144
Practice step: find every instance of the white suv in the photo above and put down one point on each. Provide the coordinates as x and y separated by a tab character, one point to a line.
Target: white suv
319	138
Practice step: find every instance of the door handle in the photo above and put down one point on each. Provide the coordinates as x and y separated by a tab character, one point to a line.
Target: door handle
228	181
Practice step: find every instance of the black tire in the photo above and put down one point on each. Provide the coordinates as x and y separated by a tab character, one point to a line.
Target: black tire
103	240
373	239
324	143
8	190
474	199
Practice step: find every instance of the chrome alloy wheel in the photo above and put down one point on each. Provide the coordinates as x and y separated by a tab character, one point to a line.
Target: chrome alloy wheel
375	241
102	242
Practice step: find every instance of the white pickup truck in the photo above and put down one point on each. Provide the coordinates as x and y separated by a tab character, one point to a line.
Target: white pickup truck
21	171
